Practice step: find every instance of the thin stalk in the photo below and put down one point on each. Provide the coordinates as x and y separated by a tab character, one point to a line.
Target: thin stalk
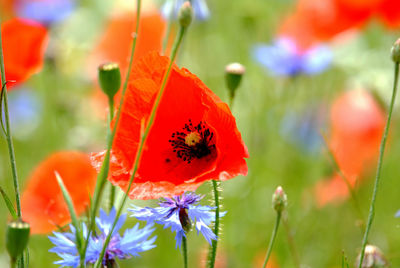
213	249
184	252
9	140
271	242
175	48
8	132
112	187
103	174
290	239
379	168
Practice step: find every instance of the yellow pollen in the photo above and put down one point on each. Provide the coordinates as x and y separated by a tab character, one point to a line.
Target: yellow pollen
192	138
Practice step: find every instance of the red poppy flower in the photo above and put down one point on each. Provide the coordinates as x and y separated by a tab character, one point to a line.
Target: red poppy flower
357	123
316	21
194	137
115	43
43	205
24	42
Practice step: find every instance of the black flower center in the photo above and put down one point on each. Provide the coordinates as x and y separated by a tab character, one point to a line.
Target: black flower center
194	141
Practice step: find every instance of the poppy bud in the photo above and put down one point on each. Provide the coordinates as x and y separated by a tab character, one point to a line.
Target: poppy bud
233	76
185	221
373	258
17	236
279	200
396	51
110	78
185	15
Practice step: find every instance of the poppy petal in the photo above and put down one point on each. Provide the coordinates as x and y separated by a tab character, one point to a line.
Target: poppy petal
42	201
24	42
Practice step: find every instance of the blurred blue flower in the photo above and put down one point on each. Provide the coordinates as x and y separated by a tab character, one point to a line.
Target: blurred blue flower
25	112
177	213
303	129
133	241
45	11
200	9
283	58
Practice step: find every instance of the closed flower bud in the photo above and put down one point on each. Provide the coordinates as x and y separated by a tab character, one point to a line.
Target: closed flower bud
233	76
279	200
185	220
185	15
396	51
17	236
373	258
110	78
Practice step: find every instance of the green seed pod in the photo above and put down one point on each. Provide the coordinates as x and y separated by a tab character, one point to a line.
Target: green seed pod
233	76
110	78
185	14
17	236
395	53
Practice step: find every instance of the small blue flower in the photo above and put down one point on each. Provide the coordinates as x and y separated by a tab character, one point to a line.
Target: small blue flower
177	213
200	9
45	11
283	58
133	241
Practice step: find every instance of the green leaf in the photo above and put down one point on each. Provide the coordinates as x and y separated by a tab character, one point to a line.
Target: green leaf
74	218
9	204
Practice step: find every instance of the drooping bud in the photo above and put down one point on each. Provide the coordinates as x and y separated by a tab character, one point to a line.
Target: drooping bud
279	200
110	78
185	14
185	220
233	76
17	236
373	258
395	52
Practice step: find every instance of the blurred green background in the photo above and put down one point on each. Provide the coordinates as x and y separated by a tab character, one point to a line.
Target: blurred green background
320	234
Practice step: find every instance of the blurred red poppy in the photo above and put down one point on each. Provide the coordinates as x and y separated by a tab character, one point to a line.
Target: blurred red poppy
194	137
24	43
357	123
43	205
316	21
115	43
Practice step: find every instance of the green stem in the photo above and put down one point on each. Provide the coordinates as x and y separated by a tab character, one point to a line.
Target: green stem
8	132
379	168
143	138
184	252
103	174
112	187
271	242
213	249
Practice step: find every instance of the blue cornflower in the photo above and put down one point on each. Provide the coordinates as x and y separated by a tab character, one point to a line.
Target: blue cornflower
200	9
283	58
133	241
178	213
46	11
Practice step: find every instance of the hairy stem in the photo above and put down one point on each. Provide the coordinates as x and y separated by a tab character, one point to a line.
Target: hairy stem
379	168
271	242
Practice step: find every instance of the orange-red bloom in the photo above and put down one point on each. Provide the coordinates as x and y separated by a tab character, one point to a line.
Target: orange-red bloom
194	137
316	21
43	205
357	123
24	42
116	41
